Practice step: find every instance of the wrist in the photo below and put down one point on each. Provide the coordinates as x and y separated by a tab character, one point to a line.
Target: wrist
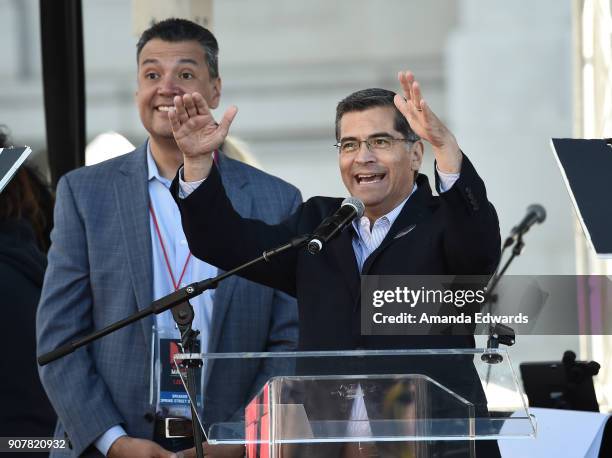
448	157
196	169
115	449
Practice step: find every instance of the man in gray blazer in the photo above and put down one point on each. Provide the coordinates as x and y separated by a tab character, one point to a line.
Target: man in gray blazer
118	244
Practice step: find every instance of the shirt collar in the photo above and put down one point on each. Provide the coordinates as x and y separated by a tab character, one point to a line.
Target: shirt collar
153	171
391	216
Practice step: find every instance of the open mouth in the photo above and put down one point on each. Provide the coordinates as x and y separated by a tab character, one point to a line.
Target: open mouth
368	178
165	108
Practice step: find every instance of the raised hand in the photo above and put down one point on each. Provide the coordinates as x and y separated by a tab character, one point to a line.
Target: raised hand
427	125
196	132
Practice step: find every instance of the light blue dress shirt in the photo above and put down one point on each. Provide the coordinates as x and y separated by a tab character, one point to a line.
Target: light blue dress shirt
169	220
368	236
175	242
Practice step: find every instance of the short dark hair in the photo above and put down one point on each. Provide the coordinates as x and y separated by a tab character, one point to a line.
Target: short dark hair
176	29
370	98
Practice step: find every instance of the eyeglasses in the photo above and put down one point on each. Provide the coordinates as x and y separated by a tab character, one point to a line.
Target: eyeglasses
373	144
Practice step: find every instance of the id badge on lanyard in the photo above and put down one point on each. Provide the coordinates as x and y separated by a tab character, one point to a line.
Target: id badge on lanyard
166	385
171	397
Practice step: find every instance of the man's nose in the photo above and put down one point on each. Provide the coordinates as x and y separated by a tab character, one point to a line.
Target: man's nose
168	85
364	154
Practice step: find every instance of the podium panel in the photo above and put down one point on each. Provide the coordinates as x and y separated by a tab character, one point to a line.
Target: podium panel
416	399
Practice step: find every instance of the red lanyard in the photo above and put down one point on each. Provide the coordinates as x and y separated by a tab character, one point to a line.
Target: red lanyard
175	283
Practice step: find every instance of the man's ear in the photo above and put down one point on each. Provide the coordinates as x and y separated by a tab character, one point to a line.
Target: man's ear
216	93
416	152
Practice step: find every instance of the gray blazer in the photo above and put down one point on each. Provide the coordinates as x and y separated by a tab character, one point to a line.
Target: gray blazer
100	271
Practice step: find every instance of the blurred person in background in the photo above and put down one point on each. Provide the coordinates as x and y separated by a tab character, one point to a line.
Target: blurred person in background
26	206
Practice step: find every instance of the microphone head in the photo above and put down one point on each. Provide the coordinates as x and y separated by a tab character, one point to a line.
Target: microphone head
356	204
314	246
538	211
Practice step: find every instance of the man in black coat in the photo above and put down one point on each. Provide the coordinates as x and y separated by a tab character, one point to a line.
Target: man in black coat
405	230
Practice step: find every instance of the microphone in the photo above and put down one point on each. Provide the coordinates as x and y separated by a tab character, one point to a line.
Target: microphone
350	209
535	214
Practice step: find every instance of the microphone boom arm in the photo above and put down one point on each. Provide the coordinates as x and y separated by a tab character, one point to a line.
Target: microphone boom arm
167	302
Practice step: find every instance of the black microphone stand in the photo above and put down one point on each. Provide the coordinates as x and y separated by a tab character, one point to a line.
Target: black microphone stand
167	302
500	334
183	315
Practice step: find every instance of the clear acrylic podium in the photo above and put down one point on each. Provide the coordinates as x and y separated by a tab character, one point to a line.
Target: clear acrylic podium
396	402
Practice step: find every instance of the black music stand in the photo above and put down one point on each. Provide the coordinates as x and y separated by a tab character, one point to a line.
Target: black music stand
586	167
10	161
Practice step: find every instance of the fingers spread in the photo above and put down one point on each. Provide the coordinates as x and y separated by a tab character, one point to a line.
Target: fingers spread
181	112
416	95
426	111
406	79
412	106
409	79
174	121
189	105
402	105
200	103
402	77
228	117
